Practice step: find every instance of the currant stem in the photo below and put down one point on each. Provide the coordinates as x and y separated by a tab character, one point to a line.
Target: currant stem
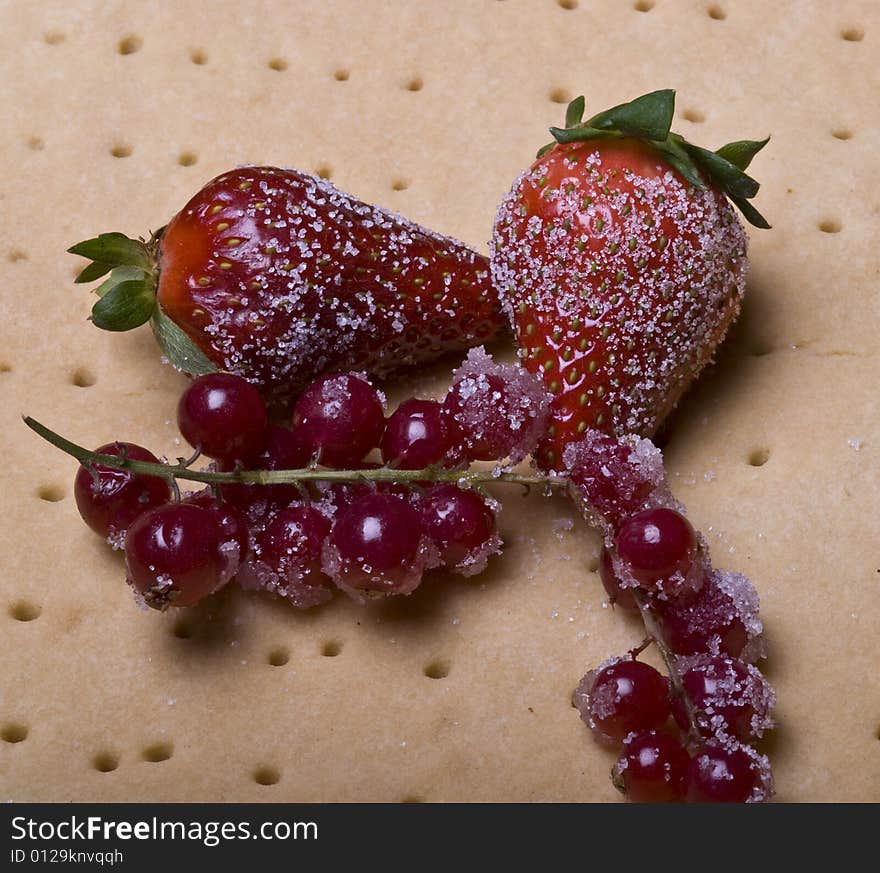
181	470
173	472
644	644
653	630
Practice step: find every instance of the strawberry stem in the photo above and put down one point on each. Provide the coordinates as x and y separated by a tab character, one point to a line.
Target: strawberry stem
649	119
127	298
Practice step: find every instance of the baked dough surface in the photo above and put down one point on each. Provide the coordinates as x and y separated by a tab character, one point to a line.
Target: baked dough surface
432	110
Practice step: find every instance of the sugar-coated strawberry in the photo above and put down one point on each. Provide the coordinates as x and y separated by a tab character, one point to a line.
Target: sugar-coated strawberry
621	265
278	276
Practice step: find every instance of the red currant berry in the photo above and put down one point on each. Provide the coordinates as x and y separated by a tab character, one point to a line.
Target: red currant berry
173	555
621	697
476	406
652	768
729	697
500	410
341	494
291	544
232	523
618	596
222	415
722	618
375	546
339	419
417	435
282	450
462	525
728	773
658	547
614	478
110	500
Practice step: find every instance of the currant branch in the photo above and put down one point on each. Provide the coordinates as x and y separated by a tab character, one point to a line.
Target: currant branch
656	635
181	470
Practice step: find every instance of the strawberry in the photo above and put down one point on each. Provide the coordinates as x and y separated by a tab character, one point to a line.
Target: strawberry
621	264
278	276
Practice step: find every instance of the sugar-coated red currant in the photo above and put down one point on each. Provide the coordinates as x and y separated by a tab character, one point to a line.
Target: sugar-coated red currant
417	435
658	547
730	698
476	406
621	697
461	524
617	595
110	500
173	555
339	418
290	545
728	773
500	410
721	618
614	478
231	521
652	768
223	416
375	546
341	494
281	450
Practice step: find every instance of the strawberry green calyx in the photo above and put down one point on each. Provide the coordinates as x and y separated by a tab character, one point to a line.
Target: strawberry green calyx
127	297
649	118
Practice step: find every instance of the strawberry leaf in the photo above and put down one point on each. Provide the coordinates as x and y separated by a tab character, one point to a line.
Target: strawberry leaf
93	271
180	350
647	117
574	114
741	152
118	275
729	178
676	155
114	250
579	133
751	215
125	306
